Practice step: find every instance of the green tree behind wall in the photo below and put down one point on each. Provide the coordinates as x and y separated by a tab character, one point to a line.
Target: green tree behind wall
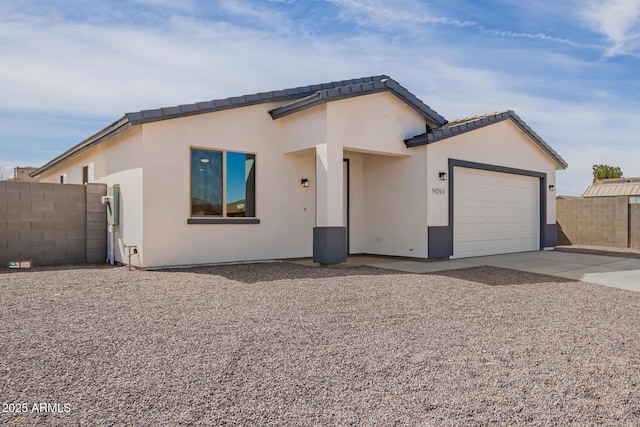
606	172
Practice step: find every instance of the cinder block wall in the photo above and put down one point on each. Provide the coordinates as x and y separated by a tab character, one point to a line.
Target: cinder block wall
634	226
52	224
597	221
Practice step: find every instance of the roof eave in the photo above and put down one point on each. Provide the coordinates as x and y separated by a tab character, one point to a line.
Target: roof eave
414	102
385	85
440	134
113	129
541	142
298	105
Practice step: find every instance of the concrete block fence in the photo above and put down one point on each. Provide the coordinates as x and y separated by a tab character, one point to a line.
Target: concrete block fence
52	224
598	221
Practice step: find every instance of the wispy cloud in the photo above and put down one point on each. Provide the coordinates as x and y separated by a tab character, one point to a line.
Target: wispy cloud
619	21
378	12
181	5
258	12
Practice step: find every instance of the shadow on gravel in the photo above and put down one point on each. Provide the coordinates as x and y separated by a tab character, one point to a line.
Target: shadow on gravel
59	268
496	276
275	271
612	252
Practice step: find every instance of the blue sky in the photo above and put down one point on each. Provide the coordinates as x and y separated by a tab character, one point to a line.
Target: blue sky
569	68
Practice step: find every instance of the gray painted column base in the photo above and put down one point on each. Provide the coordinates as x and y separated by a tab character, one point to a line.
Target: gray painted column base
550	235
329	245
440	241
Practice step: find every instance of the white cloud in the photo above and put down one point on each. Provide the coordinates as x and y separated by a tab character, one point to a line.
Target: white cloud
378	12
619	21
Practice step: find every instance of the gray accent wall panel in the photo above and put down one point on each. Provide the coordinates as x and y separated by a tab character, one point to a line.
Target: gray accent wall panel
550	235
440	242
329	245
223	221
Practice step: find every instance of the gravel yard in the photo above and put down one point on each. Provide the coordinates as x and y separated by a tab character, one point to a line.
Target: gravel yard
284	344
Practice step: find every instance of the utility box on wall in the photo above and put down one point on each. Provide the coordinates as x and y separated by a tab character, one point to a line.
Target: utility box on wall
113	207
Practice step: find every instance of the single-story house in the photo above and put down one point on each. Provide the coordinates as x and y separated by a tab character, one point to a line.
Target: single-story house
357	166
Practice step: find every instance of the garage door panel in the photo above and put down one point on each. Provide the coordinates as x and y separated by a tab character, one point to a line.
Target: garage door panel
494	213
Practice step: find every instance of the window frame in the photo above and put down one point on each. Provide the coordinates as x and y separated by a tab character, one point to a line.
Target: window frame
221	219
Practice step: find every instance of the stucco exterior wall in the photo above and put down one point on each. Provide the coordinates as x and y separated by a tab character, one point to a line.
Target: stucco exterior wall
396	205
301	131
117	161
500	144
286	210
377	123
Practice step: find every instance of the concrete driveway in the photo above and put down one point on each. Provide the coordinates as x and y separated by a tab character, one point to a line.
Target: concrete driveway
604	270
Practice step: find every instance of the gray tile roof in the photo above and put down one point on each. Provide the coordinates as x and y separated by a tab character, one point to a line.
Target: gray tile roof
385	84
146	116
614	187
326	91
461	126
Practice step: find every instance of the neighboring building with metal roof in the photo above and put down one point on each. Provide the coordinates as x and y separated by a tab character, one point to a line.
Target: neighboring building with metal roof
350	166
614	187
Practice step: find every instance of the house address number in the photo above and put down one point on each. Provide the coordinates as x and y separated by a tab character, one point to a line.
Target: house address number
438	191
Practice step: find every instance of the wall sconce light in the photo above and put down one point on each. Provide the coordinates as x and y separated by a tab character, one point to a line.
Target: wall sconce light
304	182
442	176
552	187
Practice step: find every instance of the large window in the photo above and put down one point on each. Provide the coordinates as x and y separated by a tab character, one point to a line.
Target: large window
223	184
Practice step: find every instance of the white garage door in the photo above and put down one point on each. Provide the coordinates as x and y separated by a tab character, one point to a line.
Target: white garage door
494	213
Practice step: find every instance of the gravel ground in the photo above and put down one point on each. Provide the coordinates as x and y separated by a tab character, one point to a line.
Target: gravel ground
283	344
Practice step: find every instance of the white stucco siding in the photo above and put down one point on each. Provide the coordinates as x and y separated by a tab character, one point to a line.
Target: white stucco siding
376	123
302	130
285	209
500	144
116	161
396	205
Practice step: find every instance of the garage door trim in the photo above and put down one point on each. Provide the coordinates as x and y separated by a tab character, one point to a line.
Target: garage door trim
440	243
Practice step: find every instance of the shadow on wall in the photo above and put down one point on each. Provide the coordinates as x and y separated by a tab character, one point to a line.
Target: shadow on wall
276	271
496	276
563	239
